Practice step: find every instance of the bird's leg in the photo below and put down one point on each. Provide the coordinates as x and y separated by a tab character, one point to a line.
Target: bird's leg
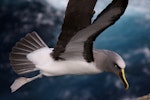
19	82
35	77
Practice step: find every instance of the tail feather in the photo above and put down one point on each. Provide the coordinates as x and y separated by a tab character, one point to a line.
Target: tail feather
17	49
29	43
25	45
18	56
37	39
24	68
18	61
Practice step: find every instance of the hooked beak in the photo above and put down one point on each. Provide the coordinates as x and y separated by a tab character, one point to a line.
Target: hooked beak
123	78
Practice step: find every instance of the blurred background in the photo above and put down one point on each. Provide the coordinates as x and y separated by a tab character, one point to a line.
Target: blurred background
129	36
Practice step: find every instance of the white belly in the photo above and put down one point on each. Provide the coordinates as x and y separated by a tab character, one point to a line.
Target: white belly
49	67
69	67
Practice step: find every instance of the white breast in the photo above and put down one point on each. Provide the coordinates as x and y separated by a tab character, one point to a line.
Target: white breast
40	56
49	67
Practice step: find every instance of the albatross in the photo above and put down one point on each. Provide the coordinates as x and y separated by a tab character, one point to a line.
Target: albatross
73	53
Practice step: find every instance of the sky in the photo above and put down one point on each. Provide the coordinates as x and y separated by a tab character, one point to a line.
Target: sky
136	6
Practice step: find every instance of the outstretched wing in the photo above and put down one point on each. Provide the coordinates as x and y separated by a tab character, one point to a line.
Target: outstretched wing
78	16
81	44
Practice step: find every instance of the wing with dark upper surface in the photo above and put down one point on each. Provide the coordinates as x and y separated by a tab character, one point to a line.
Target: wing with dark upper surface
78	16
81	45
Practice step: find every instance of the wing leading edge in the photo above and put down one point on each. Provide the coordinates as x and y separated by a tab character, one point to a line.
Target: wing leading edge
81	43
77	16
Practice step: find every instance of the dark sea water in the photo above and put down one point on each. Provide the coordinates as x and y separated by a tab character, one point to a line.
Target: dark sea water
130	37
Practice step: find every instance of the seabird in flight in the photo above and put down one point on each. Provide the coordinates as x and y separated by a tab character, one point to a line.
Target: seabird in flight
73	53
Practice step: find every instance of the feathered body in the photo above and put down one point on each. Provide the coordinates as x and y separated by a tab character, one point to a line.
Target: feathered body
73	53
48	66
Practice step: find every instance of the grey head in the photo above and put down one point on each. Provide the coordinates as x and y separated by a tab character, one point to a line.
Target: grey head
109	61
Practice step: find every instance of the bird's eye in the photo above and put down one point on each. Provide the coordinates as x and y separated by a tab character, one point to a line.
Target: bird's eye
116	66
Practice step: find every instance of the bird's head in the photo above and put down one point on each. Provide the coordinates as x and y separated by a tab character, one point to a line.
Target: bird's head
113	62
117	65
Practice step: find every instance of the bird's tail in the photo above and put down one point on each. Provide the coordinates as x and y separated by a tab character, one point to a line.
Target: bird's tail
19	82
18	56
